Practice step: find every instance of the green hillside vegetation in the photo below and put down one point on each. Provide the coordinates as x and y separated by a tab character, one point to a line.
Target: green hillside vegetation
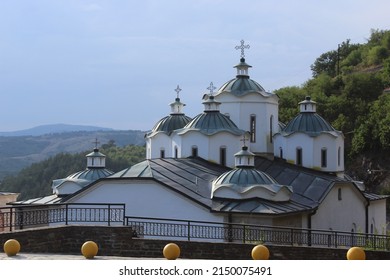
35	180
349	85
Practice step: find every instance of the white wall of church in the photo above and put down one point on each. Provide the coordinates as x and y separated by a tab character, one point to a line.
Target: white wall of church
377	217
312	150
209	147
156	143
147	199
264	109
67	187
343	209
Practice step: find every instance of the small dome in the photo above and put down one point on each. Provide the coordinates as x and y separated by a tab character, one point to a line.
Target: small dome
245	183
171	123
211	122
91	174
309	122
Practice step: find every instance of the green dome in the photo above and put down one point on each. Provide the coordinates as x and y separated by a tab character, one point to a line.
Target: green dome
247	183
171	123
212	122
308	122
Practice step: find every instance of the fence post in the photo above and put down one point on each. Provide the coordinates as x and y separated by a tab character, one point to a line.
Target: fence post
188	230
243	234
66	214
335	239
109	215
292	237
10	219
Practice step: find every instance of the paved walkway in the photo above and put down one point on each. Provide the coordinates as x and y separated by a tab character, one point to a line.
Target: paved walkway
30	256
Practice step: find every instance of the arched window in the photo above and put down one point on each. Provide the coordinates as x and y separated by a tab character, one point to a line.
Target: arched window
162	153
252	128
280	152
194	151
271	121
299	156
324	157
222	155
339	194
176	152
339	156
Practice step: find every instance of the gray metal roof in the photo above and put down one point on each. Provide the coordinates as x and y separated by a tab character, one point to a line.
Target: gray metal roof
212	122
192	177
170	123
310	123
90	174
242	85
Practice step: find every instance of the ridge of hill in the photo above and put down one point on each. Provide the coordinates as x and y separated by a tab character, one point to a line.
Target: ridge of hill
17	152
53	128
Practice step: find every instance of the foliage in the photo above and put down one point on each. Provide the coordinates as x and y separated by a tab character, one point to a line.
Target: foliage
35	180
348	85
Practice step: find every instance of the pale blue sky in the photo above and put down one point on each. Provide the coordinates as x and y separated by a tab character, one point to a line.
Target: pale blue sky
116	63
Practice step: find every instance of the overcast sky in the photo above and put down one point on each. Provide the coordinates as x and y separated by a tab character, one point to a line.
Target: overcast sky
116	63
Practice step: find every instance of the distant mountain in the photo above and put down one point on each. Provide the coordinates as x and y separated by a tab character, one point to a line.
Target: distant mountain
53	128
17	152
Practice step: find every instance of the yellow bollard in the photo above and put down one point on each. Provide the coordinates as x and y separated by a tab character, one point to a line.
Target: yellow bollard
260	252
89	249
171	251
356	253
11	247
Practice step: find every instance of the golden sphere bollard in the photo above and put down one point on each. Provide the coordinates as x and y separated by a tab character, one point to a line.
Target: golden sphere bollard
89	249
171	251
11	247
260	252
356	253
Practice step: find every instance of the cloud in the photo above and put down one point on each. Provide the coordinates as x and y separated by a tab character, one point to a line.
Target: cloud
91	7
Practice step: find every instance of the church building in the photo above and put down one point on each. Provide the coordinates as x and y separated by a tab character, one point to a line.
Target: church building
234	162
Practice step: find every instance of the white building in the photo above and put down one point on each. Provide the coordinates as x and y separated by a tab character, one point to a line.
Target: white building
195	168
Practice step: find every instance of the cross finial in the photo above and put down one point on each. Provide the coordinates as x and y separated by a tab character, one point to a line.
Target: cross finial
244	139
96	142
242	47
178	90
211	88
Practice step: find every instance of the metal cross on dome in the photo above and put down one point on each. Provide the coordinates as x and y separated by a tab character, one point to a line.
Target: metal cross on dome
96	142
244	139
242	47
178	90
211	88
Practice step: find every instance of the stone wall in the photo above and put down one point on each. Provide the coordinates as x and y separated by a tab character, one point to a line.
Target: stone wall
118	241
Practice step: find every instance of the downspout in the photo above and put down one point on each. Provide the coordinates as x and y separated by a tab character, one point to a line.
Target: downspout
367	222
309	226
230	228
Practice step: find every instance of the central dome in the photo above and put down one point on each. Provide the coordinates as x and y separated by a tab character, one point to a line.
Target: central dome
242	84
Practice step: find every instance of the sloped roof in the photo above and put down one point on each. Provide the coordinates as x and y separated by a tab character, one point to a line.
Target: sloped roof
193	177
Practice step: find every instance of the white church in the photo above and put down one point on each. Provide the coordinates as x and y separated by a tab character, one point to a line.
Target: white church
235	162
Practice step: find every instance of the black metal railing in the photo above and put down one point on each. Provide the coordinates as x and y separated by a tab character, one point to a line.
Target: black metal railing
249	233
28	216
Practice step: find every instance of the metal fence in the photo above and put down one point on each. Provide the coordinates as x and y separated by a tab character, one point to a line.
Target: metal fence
29	216
26	216
249	233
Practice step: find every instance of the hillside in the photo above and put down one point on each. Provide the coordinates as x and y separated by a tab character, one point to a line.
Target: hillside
17	152
53	128
351	88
